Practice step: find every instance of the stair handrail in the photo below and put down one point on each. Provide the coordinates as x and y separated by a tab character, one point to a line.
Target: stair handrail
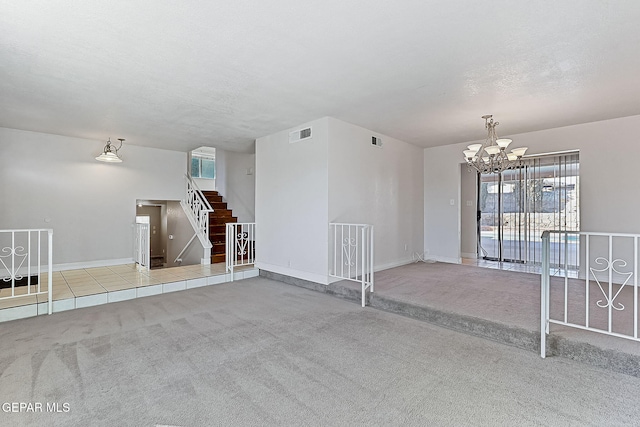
199	207
200	194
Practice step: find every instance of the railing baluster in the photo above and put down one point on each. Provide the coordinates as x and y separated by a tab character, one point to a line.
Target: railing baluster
39	245
355	244
29	262
13	270
586	275
239	245
635	287
610	282
50	275
544	290
23	261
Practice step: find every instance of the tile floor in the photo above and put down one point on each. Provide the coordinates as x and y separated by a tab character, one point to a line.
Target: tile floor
507	266
92	286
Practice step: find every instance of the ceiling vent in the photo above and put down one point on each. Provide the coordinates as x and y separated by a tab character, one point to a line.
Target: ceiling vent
299	135
376	141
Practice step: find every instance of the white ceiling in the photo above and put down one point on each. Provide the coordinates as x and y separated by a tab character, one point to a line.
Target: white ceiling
183	74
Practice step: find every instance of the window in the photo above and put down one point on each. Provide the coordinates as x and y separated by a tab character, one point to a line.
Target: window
203	167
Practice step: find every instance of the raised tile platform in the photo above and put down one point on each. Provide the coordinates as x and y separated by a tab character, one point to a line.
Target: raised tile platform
94	286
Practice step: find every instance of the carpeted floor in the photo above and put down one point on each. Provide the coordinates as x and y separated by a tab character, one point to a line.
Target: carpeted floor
506	297
259	352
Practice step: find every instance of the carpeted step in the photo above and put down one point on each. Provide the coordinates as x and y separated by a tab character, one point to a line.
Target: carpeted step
571	348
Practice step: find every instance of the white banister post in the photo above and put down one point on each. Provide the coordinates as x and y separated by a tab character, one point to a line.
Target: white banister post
544	295
364	272
371	257
50	275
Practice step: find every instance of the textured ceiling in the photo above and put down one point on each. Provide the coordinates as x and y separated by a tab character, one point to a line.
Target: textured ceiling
183	74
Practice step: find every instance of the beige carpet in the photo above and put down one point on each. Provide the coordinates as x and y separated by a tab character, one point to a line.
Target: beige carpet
259	352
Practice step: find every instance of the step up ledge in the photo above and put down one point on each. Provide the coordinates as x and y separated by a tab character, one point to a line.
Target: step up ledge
558	346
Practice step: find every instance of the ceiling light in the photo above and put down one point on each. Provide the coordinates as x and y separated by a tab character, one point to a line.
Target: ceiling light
492	156
110	152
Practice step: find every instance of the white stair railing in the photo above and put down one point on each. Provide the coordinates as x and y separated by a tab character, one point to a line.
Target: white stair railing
22	263
351	256
197	209
597	283
240	245
142	249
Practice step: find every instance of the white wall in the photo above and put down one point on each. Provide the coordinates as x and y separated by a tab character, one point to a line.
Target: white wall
291	204
51	181
382	186
337	176
468	212
609	151
180	228
235	181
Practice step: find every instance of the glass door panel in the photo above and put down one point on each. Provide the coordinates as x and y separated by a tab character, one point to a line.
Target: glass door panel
517	206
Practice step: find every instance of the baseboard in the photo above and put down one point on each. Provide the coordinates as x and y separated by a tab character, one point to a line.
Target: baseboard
447	259
394	264
287	271
91	264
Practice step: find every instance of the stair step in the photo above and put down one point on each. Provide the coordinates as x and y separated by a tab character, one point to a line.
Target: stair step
222	220
214	199
218	205
217	229
217	237
221	212
218	258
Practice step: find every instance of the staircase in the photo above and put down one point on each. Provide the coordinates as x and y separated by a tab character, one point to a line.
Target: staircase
217	229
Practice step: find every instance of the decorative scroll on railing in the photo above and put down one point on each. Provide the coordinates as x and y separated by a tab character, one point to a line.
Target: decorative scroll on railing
26	256
600	294
142	249
241	245
199	208
351	256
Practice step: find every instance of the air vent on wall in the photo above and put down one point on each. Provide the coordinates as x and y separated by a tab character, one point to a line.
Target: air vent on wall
377	141
299	135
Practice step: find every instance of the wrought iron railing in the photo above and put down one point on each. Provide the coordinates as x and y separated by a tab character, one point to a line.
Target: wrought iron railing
351	254
240	245
198	209
25	255
600	294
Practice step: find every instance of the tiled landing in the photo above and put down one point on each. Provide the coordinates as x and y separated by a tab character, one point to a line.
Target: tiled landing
94	286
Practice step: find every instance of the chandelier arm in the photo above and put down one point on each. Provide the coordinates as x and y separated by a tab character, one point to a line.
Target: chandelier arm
119	146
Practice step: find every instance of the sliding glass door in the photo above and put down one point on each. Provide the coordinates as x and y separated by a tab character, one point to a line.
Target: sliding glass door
516	206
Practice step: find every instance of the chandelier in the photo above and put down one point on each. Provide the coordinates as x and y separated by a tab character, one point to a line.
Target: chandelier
492	156
110	152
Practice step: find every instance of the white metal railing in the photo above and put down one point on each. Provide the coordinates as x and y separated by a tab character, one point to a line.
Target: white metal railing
352	254
22	255
142	249
199	208
600	294
240	245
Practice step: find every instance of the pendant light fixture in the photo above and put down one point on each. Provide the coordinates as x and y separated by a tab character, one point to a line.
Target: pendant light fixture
110	152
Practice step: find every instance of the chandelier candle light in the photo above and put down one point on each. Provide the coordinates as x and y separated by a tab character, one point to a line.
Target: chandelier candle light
492	157
110	152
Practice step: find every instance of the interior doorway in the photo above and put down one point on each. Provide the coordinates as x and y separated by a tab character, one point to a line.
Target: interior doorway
156	217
